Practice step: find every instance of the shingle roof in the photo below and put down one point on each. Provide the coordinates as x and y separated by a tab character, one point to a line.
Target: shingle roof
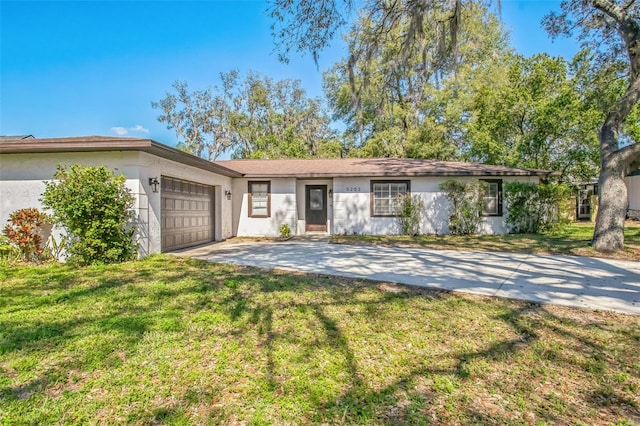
108	143
302	168
337	167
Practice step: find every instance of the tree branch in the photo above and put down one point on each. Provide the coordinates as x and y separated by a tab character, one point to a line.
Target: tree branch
611	9
630	155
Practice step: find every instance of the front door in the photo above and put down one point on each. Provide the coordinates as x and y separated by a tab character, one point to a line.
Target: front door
316	208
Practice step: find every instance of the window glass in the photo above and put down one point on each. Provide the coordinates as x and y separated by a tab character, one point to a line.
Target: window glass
385	196
315	199
259	199
492	199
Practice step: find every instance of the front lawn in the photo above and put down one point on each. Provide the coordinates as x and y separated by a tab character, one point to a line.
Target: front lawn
179	341
573	239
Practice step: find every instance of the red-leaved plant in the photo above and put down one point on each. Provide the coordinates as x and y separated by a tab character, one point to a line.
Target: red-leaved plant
24	230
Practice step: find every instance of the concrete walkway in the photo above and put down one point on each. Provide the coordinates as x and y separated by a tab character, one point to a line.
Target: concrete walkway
581	282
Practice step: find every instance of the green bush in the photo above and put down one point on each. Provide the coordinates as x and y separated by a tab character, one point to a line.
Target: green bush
410	209
534	208
25	232
93	206
285	231
466	200
9	253
56	248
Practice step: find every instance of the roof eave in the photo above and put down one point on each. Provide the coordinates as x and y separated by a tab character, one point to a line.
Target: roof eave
144	145
37	146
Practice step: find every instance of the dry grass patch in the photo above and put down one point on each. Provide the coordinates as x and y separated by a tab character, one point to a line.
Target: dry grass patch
180	341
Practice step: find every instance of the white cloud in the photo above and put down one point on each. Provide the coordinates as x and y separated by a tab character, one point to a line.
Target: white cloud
139	128
121	131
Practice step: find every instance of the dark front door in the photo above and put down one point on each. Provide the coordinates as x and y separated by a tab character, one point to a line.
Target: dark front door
316	208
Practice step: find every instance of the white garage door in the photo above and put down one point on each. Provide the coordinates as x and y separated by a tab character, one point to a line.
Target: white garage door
187	213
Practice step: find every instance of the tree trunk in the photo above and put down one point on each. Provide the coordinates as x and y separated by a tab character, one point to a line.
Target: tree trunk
608	235
617	162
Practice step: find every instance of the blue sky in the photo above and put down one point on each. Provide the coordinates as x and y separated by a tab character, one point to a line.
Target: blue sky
76	68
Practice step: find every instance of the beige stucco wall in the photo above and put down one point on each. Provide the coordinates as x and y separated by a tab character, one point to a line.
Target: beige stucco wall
22	176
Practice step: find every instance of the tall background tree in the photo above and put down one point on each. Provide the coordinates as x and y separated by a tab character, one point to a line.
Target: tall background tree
539	116
426	33
394	108
256	117
493	106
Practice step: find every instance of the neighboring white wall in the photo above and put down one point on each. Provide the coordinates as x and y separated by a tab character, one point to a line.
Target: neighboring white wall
633	191
283	208
22	176
352	207
300	196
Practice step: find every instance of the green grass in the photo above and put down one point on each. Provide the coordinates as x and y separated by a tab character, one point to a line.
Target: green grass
573	239
177	341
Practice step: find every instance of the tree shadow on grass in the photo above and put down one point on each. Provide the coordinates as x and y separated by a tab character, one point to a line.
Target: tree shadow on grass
534	329
390	405
256	306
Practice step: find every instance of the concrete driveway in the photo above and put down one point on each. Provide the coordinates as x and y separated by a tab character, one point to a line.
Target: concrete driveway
581	282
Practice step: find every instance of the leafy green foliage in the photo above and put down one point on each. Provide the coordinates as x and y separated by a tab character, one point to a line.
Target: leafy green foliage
534	208
391	41
611	29
56	247
285	230
93	206
466	201
496	107
25	231
393	108
9	253
541	116
252	118
410	211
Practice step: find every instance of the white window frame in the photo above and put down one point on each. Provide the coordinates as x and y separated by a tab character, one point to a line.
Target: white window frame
386	192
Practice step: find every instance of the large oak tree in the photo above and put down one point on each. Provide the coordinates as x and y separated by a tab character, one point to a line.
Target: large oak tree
611	28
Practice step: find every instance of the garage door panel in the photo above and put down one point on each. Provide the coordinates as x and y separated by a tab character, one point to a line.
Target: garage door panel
187	214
